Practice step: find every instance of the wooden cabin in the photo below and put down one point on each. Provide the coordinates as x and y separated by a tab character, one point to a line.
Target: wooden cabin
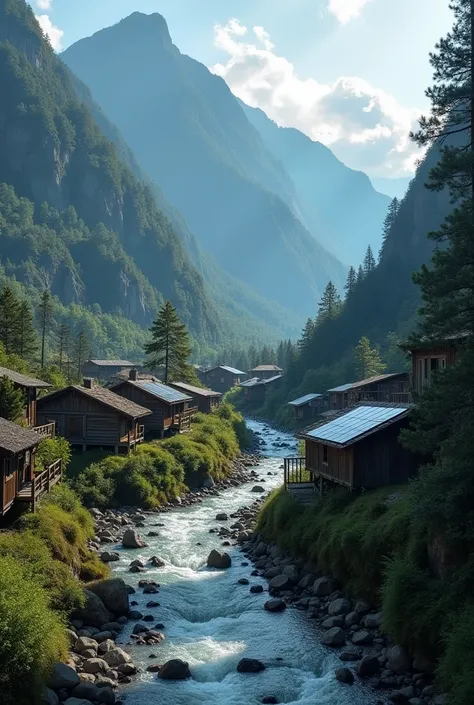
430	357
359	448
222	378
170	410
393	387
256	389
339	397
307	407
105	369
265	371
30	387
18	481
205	400
91	416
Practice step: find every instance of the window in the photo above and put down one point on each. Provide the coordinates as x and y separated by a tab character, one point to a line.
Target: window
325	454
8	467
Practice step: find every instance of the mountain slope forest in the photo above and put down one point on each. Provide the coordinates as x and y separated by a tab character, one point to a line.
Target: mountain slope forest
77	221
191	136
323	183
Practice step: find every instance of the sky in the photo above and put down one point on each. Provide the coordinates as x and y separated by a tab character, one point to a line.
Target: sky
349	73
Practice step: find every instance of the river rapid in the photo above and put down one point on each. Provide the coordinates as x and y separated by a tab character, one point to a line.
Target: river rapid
212	622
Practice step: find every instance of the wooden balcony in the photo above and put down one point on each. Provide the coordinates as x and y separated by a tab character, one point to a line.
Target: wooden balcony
299	482
41	484
48	430
391	397
134	436
183	421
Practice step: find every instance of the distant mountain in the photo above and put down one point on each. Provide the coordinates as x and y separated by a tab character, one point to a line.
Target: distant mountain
395	188
336	202
193	138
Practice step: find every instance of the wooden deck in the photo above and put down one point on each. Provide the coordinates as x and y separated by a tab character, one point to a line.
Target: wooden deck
47	430
299	482
41	484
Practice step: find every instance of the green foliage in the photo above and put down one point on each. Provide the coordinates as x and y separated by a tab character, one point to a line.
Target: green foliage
455	669
45	315
369	262
367	360
330	305
32	637
51	449
12	400
170	348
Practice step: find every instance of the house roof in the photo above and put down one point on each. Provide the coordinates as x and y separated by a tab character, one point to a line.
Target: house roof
351	425
103	396
436	341
377	378
301	401
342	387
111	363
14	438
257	381
266	368
198	391
22	380
160	391
232	370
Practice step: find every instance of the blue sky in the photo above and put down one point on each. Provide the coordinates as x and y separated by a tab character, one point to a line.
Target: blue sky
351	73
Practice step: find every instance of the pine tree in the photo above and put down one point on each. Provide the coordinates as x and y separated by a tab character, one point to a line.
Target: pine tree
351	282
360	275
369	261
9	320
390	218
64	344
45	314
81	351
170	347
12	400
330	305
367	360
27	341
306	336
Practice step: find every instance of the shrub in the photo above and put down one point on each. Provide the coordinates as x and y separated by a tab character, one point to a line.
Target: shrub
32	636
51	449
64	591
455	670
94	488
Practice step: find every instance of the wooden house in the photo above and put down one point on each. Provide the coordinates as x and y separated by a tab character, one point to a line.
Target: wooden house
393	387
92	416
359	448
339	397
430	357
30	387
205	400
222	378
307	407
18	481
170	410
105	369
265	371
256	389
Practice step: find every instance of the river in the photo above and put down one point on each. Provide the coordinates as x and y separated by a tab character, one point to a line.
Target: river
212	622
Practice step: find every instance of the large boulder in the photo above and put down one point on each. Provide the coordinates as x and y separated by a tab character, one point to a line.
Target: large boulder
218	559
109	556
275	605
83	643
292	572
49	697
258	489
399	660
341	606
334	637
373	621
94	613
344	675
250	665
368	666
323	587
261	549
132	539
279	583
116	657
175	670
89	691
222	516
114	595
157	562
95	665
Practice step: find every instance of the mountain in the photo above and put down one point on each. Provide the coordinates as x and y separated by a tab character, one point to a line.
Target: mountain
191	135
336	202
395	188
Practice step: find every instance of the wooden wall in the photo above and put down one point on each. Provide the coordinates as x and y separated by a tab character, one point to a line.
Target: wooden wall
380	459
162	416
339	465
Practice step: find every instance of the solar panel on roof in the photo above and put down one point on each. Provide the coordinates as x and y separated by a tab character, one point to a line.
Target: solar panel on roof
355	423
233	370
163	391
304	400
342	388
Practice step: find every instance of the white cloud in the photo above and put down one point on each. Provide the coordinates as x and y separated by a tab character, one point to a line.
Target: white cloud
54	33
363	125
44	4
346	10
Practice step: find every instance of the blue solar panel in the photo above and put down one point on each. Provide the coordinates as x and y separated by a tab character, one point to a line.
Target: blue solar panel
304	400
355	423
162	391
342	388
232	369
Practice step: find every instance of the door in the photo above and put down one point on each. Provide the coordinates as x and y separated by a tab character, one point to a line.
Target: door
75	427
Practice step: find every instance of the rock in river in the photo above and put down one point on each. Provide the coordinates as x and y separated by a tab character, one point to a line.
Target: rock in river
175	670
335	637
250	665
344	675
114	595
275	605
257	488
219	560
132	539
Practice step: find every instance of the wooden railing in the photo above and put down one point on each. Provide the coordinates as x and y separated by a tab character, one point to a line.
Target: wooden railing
295	471
44	481
391	397
134	436
48	430
183	420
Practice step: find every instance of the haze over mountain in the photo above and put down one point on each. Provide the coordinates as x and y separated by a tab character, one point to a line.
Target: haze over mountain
337	203
191	135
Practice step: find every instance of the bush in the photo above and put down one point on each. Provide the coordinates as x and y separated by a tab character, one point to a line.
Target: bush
32	636
51	449
456	673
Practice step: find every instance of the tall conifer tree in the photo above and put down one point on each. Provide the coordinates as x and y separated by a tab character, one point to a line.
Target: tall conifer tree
170	348
9	320
45	315
369	261
27	341
330	305
351	282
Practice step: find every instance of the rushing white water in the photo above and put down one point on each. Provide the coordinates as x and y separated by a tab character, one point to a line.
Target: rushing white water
212	622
